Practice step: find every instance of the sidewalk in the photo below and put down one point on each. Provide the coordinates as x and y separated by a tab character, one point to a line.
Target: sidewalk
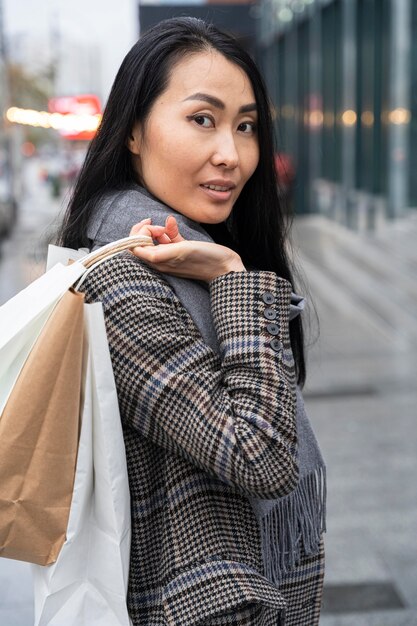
362	398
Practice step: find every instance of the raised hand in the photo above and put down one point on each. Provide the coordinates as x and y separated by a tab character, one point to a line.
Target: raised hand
199	260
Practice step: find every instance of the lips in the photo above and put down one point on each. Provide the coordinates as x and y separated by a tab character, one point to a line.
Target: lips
219	185
216	187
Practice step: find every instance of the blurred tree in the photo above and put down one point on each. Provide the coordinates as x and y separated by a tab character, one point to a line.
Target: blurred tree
32	92
27	91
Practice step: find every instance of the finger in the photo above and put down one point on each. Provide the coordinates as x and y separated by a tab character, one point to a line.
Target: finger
172	229
136	228
163	239
143	252
151	231
156	255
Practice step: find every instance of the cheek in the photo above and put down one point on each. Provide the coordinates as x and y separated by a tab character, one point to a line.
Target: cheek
174	153
159	144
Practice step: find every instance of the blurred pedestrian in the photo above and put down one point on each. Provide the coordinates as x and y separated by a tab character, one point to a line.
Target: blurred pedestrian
206	338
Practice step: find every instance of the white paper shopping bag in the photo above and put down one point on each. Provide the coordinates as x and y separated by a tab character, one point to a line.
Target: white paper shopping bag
87	586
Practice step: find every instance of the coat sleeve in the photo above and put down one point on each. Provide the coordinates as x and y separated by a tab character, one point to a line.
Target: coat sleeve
232	415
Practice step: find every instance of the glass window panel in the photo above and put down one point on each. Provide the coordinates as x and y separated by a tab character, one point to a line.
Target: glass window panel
413	104
331	42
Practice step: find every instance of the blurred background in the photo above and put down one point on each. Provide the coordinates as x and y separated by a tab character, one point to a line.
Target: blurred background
342	75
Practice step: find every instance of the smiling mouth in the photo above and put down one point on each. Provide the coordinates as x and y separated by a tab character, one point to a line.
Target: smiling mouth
217	187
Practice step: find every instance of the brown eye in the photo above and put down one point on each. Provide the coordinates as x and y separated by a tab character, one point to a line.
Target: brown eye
247	127
203	120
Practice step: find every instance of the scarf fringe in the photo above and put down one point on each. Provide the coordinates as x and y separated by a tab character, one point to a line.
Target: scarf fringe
294	525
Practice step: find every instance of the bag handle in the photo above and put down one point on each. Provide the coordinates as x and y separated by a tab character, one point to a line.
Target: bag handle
110	249
93	259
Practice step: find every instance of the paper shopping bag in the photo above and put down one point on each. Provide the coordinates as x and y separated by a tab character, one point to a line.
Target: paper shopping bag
41	334
39	430
23	317
87	586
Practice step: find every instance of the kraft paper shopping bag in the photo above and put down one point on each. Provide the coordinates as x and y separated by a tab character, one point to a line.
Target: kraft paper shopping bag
39	430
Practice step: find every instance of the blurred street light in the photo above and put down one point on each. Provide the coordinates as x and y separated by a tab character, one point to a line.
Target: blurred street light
399	116
69	122
367	118
349	117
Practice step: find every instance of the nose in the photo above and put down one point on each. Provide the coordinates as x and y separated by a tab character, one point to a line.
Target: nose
225	153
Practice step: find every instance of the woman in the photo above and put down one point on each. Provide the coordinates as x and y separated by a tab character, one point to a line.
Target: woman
225	474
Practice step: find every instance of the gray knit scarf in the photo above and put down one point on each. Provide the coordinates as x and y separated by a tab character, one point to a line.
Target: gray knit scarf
288	525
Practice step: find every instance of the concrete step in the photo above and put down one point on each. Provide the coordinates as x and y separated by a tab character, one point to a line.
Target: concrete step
373	618
361	275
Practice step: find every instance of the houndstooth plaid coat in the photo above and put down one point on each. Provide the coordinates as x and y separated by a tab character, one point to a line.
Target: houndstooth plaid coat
202	433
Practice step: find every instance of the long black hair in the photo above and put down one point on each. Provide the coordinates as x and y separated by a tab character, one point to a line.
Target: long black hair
258	227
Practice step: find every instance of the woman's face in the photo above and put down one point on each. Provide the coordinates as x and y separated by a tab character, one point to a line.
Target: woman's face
199	145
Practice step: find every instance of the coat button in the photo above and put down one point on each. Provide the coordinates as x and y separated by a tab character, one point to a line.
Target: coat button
268	297
270	314
276	345
273	329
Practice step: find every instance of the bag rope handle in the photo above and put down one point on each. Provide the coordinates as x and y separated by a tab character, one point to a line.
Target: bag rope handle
110	249
94	259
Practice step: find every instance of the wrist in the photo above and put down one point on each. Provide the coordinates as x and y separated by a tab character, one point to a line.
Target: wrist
234	266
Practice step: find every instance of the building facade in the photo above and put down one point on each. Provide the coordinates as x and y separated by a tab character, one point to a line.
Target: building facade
238	17
343	79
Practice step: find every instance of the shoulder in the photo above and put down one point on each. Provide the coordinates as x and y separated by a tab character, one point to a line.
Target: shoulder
124	274
134	294
114	213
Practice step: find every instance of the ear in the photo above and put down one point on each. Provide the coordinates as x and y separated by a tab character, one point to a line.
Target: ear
134	140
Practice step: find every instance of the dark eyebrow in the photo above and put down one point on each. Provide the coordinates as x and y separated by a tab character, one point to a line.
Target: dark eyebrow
215	102
204	97
247	108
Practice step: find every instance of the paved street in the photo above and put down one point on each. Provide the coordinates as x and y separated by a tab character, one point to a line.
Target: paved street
361	395
362	398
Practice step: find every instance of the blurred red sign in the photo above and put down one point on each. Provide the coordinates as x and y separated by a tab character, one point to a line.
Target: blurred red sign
86	104
78	105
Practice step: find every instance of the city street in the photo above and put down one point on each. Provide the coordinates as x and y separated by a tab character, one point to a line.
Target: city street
361	394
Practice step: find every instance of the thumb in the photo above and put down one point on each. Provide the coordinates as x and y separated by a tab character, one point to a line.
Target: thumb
171	229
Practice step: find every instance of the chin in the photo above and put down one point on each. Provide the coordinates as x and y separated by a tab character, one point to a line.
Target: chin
215	216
